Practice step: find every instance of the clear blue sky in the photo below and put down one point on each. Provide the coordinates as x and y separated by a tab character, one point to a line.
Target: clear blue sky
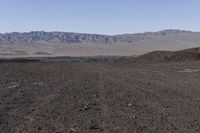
99	16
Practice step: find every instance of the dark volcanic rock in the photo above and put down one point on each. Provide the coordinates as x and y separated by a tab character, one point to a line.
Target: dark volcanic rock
163	56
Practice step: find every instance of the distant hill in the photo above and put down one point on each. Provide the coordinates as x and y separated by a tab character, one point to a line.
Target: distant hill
165	56
67	37
54	37
40	43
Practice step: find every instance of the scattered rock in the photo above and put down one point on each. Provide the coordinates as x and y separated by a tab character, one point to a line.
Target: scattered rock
38	84
94	125
15	85
73	130
148	83
85	107
39	128
117	129
130	104
132	117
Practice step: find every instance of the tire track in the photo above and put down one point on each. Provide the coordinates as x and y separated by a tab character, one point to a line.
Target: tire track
105	113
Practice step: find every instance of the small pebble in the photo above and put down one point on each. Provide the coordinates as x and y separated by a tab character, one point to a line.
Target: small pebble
130	104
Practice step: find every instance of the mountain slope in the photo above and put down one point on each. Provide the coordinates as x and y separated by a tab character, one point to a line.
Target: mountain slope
40	43
165	56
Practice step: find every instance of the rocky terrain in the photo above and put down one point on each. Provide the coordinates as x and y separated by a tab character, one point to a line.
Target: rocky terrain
40	43
170	56
124	96
67	59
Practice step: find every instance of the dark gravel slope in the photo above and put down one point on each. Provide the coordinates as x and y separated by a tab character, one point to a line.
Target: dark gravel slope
117	97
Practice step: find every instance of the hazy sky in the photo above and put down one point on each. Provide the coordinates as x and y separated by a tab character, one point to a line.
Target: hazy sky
99	16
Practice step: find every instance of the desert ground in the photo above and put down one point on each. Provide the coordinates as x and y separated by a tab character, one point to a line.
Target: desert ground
100	97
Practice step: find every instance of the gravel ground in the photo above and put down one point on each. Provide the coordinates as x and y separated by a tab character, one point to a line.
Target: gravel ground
115	97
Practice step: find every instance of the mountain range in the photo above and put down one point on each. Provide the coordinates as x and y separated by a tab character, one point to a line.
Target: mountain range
40	43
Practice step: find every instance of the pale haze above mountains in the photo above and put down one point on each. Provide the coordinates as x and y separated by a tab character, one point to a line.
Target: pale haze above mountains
40	43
